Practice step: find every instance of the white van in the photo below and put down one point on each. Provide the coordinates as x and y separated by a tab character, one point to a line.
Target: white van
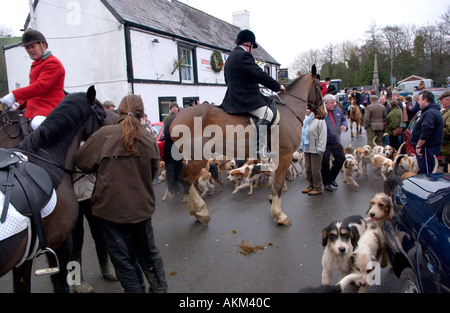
408	87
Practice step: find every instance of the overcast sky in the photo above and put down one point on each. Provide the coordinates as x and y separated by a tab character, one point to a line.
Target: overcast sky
285	28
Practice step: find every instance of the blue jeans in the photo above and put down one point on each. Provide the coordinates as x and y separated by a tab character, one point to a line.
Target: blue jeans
132	251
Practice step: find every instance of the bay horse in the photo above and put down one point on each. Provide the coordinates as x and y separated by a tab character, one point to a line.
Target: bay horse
10	129
190	130
52	146
355	117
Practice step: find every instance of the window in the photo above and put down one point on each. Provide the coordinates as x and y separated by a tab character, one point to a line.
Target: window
164	105
186	69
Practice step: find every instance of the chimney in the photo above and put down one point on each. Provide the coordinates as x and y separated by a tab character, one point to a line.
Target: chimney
241	19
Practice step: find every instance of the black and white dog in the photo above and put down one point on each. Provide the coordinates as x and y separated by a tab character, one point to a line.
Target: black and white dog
340	240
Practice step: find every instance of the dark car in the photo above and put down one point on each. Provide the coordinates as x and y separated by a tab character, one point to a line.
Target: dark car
158	127
418	234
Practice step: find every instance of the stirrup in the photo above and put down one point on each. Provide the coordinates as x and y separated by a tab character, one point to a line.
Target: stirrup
49	270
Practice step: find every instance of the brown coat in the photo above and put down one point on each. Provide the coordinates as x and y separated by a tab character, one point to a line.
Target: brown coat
375	116
124	187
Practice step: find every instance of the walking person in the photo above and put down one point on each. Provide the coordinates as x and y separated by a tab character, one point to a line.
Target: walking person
314	142
374	121
336	124
125	157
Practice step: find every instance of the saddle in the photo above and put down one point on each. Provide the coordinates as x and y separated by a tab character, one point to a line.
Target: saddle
27	186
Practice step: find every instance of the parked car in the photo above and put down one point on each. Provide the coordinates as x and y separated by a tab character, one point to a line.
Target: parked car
418	234
158	127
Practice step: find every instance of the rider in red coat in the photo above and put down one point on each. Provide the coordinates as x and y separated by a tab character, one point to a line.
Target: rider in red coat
47	76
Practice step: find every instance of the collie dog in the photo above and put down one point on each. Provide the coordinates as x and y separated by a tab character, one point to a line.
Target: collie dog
340	240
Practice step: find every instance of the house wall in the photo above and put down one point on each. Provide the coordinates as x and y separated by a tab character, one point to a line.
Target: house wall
87	39
91	44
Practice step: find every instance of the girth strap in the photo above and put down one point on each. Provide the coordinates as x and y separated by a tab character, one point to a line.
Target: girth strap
8	186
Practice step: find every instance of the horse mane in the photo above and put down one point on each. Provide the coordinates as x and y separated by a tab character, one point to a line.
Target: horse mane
291	85
64	121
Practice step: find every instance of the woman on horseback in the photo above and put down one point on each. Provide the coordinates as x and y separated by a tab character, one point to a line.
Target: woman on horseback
47	76
243	76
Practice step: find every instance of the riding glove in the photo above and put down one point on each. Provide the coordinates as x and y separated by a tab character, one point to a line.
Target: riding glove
10	101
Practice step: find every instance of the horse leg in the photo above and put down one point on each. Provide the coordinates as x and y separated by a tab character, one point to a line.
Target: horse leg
351	128
278	182
22	277
195	204
59	280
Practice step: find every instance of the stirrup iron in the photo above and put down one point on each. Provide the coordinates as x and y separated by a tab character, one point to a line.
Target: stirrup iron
49	270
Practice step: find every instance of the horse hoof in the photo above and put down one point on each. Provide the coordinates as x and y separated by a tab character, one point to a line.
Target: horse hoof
286	222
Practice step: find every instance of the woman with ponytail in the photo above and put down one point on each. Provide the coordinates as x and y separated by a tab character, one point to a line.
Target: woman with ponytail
125	158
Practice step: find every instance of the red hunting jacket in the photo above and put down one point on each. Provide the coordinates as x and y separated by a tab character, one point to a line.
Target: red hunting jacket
45	91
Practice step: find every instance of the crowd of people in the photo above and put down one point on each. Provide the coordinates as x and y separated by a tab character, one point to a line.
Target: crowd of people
123	210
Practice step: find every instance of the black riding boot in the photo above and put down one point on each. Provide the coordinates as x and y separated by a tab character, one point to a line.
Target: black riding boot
262	146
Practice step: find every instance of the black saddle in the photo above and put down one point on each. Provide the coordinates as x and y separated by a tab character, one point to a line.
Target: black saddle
271	106
27	186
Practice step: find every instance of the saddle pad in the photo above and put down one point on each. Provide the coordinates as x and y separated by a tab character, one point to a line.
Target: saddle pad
16	222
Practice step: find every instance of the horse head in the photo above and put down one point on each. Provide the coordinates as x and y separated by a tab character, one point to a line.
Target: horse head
315	101
98	114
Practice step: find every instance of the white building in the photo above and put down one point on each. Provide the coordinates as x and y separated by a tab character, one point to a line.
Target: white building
159	49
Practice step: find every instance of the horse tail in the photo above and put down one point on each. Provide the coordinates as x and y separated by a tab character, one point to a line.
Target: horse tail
174	168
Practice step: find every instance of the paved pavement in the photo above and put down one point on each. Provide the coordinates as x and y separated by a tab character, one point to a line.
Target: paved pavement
207	258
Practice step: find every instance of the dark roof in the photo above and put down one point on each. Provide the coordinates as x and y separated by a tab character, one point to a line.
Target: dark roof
179	20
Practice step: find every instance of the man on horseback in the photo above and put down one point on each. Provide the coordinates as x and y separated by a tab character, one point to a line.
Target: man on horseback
47	76
243	76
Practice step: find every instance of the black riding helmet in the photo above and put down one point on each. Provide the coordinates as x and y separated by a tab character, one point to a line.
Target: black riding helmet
31	36
246	36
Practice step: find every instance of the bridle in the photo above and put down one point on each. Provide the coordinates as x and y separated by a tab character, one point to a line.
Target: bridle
314	107
7	121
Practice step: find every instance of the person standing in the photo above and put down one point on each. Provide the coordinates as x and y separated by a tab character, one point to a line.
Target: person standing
428	132
445	147
336	124
125	157
243	77
174	108
313	144
47	76
393	120
374	121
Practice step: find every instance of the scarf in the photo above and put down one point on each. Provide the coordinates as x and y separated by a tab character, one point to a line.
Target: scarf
305	132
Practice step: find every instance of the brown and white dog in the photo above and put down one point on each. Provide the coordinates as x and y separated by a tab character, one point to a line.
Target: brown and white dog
369	252
380	208
248	175
381	165
204	181
350	166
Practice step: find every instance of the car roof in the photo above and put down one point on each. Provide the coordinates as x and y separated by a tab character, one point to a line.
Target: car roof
431	183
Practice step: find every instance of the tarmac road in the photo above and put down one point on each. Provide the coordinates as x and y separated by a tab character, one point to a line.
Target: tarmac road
207	258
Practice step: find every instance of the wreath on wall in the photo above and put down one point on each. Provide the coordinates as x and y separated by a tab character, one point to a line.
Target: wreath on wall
216	61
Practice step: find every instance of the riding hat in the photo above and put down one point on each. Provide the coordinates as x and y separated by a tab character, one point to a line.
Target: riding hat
31	36
246	36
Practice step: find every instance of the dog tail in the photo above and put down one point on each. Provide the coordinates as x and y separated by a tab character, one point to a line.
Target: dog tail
397	161
174	168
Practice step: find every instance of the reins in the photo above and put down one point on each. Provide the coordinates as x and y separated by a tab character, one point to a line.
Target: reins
280	101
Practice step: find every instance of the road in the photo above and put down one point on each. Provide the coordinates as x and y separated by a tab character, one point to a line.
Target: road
207	258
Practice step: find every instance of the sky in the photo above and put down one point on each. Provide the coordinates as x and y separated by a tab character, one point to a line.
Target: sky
286	28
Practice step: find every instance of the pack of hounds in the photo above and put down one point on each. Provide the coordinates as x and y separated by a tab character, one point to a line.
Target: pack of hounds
243	174
248	174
